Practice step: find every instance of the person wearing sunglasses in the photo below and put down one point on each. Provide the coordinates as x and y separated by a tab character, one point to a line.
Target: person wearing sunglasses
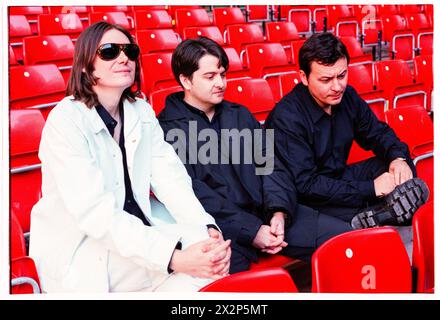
95	229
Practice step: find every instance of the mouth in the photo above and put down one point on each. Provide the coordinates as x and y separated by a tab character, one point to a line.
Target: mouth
123	71
219	93
335	97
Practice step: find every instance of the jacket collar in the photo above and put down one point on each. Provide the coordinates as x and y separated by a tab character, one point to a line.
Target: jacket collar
175	108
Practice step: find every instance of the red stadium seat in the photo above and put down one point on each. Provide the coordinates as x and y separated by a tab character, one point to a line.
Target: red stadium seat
255	94
60	24
355	50
261	280
157	72
191	17
401	39
388	9
319	14
240	35
271	261
288	81
284	32
105	9
423	74
157	98
156	40
17	241
223	17
36	87
394	77
423	30
152	19
236	69
50	49
30	12
342	19
81	11
24	277
423	247
369	22
18	29
258	13
116	17
211	32
414	126
172	9
301	16
12	60
26	127
362	261
268	61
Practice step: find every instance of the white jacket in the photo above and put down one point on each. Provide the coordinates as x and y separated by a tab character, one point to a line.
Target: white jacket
79	218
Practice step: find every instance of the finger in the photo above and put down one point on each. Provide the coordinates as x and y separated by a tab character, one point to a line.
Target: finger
273	227
221	248
213	233
274	250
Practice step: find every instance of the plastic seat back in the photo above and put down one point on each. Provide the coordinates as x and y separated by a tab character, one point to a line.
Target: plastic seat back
24	276
423	247
152	19
156	40
18	29
260	280
211	32
157	98
240	35
223	17
116	17
362	261
157	72
60	24
191	17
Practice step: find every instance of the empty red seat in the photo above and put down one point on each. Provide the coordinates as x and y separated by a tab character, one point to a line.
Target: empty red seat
152	19
423	247
157	72
24	276
240	35
81	11
301	16
401	39
172	9
271	261
157	98
423	74
18	29
56	49
268	61
395	78
355	50
223	17
388	9
126	9
16	238
255	94
369	23
38	87
156	40
60	24
261	280
258	13
12	60
116	17
236	69
30	12
362	261
414	126
284	32
211	32
25	189
191	17
423	31
288	81
342	19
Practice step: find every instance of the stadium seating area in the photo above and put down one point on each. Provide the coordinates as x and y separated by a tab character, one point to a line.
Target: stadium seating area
391	47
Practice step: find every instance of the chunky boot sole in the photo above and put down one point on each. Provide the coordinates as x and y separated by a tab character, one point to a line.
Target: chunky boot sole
400	206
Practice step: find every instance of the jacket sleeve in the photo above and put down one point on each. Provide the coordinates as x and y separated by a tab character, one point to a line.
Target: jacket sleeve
372	134
66	157
294	149
279	192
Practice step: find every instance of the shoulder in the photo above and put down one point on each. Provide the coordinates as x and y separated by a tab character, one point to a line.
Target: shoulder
68	109
144	110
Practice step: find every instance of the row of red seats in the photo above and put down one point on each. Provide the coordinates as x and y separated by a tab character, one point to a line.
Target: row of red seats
361	261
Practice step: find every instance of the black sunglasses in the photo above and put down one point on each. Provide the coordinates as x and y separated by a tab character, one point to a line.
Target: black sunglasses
110	51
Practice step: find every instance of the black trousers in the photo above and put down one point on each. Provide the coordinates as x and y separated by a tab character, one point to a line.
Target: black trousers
313	225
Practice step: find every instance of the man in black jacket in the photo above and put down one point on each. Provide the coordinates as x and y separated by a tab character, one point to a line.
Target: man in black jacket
222	146
315	125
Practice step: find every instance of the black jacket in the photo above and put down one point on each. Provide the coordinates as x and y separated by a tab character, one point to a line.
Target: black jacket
315	146
261	195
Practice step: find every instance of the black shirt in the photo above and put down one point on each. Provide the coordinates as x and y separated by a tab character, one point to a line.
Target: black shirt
130	204
315	146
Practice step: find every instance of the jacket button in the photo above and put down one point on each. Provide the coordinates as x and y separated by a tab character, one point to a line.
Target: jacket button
134	140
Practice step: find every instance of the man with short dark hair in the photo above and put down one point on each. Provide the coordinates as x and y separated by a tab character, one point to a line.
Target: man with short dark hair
315	125
258	212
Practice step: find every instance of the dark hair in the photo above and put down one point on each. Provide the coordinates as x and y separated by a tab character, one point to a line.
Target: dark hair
81	82
186	56
323	48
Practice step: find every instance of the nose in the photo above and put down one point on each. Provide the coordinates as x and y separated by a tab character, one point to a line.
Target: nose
122	58
219	81
336	85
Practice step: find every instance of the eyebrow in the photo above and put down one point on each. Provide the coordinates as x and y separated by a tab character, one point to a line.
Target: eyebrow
330	77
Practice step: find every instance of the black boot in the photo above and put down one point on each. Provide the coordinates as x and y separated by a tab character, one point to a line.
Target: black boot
398	209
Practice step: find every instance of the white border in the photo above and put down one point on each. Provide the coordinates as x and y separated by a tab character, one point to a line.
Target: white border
4	171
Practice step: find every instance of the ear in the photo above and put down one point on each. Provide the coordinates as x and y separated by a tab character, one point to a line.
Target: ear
185	81
303	78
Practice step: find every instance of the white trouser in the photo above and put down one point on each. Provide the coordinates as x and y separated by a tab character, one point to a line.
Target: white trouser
126	276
